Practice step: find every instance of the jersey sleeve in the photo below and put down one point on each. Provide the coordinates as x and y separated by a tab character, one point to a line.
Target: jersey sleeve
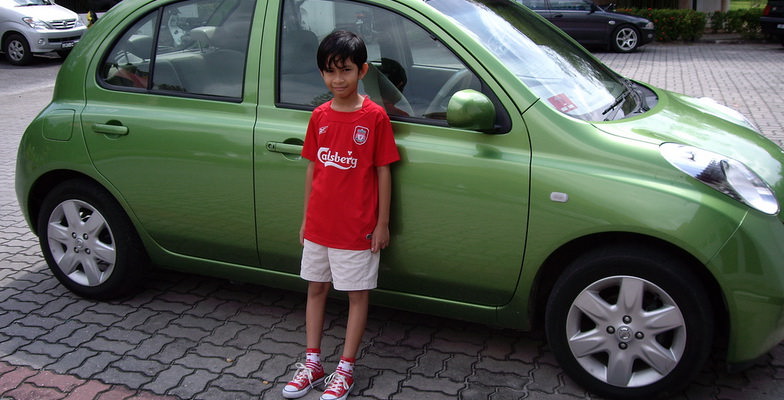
386	149
310	148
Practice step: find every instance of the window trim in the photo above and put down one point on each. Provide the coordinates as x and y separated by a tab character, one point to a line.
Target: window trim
503	123
157	21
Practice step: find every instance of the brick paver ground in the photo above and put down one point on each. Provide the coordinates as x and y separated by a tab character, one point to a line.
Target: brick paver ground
188	337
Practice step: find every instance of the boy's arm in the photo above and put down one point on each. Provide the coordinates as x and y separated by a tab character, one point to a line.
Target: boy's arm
308	184
381	233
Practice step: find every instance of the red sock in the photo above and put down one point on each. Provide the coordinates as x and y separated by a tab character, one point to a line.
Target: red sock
346	366
313	360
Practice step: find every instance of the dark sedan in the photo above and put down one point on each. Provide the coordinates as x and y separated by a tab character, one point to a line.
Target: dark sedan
590	25
772	19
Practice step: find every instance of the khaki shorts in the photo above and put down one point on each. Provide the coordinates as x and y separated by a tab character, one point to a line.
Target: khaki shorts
348	270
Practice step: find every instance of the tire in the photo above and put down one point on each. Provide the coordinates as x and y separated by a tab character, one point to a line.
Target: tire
650	345
17	50
89	243
63	53
625	39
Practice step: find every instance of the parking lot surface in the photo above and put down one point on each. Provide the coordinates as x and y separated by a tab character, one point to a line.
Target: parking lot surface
189	337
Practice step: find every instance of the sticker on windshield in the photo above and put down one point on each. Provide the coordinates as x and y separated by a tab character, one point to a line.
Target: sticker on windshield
562	103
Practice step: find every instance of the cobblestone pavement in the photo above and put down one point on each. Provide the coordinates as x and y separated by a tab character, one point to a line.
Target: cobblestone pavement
188	337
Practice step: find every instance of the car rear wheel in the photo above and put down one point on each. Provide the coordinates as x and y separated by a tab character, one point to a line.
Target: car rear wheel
625	39
629	322
89	243
17	50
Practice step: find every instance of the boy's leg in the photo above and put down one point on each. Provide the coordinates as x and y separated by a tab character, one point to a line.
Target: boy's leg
357	320
342	381
314	313
311	373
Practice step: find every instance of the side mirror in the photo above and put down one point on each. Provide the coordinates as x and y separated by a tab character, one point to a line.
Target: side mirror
469	109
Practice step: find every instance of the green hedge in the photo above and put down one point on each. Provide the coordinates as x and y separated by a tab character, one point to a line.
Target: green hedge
746	22
673	24
689	25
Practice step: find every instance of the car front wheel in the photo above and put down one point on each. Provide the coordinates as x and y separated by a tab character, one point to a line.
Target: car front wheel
629	322
17	50
88	241
625	39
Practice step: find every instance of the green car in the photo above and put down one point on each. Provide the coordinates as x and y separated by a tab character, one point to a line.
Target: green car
536	187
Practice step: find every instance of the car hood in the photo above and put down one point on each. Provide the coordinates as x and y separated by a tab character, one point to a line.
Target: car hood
43	13
633	19
703	123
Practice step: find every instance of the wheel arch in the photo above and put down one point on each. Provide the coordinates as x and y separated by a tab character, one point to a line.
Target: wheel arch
555	265
44	184
8	33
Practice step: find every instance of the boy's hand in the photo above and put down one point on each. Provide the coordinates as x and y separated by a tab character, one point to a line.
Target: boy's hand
302	234
380	239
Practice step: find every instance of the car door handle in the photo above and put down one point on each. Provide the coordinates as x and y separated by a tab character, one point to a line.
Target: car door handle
285	148
107	129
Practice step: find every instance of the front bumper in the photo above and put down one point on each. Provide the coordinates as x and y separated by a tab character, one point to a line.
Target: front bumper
750	270
50	40
647	36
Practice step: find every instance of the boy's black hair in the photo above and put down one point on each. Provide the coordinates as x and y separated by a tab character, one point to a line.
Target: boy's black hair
339	46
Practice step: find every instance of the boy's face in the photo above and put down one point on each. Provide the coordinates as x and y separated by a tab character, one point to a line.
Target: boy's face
342	78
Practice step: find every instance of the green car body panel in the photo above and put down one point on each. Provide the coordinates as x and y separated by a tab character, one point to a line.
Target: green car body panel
481	223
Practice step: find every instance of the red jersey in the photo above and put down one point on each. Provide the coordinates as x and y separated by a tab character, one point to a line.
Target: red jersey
346	148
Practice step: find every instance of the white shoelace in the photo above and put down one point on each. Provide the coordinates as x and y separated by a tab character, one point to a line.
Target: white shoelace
303	372
338	380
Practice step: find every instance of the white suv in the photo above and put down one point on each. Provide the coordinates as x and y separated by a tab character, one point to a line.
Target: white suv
37	26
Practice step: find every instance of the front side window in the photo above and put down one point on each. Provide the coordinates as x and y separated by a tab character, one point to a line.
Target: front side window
194	47
411	73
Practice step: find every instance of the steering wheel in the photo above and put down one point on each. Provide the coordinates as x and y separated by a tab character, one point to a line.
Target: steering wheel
460	80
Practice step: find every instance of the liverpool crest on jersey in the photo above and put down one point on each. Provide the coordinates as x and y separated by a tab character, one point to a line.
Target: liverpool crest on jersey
361	134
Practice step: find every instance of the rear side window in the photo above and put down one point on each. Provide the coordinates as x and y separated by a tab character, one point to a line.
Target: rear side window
535	4
577	5
193	47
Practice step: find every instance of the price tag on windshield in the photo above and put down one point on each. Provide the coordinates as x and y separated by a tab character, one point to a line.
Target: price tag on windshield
562	103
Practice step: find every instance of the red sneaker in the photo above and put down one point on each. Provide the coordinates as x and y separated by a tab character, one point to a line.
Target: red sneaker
305	379
339	386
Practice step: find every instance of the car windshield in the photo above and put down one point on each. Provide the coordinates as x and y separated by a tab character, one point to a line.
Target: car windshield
23	3
554	68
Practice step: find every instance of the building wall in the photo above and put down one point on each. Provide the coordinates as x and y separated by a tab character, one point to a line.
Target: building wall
706	6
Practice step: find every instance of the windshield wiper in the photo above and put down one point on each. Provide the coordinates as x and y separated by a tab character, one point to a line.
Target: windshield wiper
618	100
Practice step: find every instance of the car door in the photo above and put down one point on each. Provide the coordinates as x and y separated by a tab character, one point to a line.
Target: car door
460	197
169	123
578	20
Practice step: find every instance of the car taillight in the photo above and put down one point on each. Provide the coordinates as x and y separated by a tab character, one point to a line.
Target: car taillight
766	11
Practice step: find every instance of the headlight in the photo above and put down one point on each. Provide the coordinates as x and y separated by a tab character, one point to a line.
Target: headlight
649	25
724	174
35	23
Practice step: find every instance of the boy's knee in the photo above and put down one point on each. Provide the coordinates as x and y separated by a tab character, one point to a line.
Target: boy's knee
318	288
359	296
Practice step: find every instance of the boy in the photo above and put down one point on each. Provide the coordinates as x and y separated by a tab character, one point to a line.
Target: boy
350	145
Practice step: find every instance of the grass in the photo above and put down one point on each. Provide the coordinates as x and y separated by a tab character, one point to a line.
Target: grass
743	4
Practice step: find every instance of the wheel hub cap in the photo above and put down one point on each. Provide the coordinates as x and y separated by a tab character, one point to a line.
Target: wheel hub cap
626	331
625	334
81	243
